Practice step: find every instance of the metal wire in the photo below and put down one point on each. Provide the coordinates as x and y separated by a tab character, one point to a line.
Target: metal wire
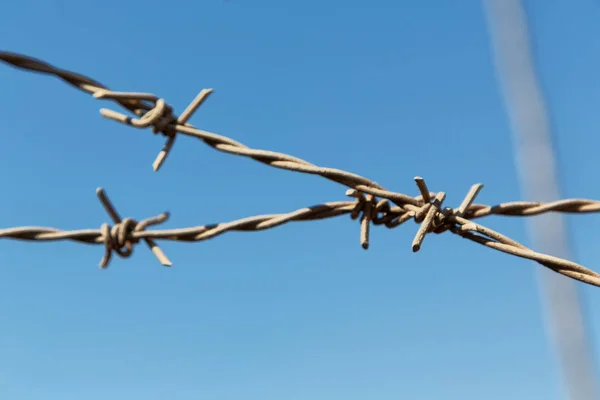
372	203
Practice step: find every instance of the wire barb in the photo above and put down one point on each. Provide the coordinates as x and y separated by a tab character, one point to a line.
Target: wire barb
182	120
426	226
160	116
367	208
119	239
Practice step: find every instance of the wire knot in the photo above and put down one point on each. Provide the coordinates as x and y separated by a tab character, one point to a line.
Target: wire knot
154	112
121	237
118	239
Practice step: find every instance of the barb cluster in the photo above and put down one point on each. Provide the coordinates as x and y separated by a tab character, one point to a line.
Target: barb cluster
372	203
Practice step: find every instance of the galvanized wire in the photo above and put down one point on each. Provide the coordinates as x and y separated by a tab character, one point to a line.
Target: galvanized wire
373	204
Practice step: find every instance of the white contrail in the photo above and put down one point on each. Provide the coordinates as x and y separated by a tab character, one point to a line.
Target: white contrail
537	168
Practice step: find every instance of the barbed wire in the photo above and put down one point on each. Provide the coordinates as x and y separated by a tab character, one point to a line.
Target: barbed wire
372	203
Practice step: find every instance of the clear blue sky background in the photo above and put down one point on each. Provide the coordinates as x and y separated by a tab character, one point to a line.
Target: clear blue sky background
387	89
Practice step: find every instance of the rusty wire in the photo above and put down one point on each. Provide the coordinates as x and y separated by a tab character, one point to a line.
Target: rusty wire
372	203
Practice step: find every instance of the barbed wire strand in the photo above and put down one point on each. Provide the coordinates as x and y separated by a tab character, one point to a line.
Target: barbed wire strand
426	209
121	237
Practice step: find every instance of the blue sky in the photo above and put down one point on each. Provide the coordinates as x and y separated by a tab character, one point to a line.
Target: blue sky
386	89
